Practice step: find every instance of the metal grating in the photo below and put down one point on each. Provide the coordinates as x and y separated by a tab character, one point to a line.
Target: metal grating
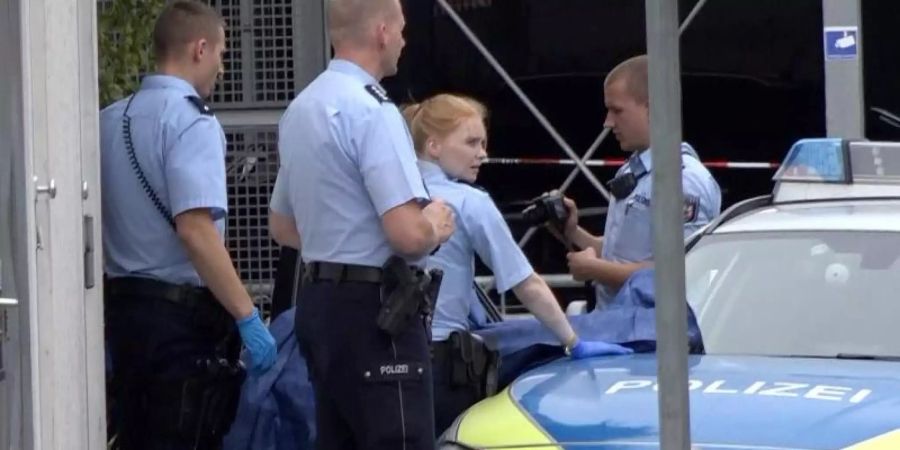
230	90
273	70
252	165
258	61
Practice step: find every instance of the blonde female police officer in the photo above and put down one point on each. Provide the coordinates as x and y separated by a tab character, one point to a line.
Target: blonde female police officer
349	185
450	138
172	294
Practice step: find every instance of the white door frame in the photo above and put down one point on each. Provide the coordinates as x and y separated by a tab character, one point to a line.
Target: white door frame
61	321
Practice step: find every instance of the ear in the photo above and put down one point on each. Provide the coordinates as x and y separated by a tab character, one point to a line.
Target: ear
381	34
433	148
200	48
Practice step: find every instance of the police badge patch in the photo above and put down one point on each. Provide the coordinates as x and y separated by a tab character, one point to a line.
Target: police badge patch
691	207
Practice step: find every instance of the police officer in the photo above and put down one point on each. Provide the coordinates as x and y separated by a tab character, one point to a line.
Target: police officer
175	305
450	138
348	181
627	242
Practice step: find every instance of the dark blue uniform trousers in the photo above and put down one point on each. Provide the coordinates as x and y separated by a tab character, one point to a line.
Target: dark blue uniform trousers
156	343
372	391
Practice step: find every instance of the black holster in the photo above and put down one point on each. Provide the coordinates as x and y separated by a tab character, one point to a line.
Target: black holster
200	408
473	364
406	294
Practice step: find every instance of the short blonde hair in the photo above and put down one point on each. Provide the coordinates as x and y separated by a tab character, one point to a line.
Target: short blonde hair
634	71
438	116
347	19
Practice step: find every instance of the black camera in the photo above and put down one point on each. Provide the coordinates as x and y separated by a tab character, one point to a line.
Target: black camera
547	208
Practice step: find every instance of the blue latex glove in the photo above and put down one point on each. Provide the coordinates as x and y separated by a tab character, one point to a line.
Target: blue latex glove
586	349
259	342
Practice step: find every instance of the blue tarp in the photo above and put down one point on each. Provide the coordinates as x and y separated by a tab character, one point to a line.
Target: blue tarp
630	320
276	410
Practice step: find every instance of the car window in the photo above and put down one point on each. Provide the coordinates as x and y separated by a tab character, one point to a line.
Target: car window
797	293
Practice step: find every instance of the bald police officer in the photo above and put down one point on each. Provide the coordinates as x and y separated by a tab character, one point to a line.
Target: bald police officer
627	242
349	182
172	294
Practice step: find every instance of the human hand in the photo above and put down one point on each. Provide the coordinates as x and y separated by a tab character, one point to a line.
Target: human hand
581	263
587	349
258	341
442	219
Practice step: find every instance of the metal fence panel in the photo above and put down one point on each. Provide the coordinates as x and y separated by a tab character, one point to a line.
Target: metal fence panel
259	70
230	90
273	69
252	165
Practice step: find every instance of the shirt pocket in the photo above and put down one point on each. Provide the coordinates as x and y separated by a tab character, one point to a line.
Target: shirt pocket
635	241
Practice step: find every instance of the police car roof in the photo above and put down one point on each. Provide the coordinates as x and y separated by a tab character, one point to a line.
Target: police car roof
843	215
826	184
820	169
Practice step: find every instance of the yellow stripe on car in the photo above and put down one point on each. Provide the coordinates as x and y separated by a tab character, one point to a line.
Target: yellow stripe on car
887	441
500	421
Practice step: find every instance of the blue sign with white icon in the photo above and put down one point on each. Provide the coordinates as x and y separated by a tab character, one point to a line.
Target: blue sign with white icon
841	42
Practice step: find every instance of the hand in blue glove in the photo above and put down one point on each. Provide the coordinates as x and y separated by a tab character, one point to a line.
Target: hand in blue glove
259	342
586	349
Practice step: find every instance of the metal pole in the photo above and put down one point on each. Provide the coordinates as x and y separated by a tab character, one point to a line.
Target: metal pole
668	217
524	98
844	101
693	15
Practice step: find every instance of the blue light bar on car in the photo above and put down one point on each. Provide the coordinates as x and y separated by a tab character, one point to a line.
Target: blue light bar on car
821	169
816	160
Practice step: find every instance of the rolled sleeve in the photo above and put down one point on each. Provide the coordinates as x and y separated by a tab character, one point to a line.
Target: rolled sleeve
195	169
387	162
494	243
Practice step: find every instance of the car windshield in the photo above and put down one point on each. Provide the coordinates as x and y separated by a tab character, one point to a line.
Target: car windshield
797	293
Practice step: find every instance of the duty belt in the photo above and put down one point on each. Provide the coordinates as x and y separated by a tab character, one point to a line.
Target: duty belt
182	294
338	273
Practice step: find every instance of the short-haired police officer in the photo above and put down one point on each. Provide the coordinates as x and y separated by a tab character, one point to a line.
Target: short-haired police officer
627	242
172	294
349	181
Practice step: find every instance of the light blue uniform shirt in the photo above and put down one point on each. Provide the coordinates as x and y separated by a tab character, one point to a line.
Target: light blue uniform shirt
181	151
628	235
346	159
481	230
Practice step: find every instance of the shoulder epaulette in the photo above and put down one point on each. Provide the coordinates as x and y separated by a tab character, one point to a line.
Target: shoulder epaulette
378	92
200	104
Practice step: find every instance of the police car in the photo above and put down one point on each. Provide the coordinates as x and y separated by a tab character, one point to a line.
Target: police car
797	295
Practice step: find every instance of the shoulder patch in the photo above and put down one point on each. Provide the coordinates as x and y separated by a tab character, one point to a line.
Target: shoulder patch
200	104
378	92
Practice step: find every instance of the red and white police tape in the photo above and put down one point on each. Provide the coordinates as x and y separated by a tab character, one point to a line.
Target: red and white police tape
715	164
